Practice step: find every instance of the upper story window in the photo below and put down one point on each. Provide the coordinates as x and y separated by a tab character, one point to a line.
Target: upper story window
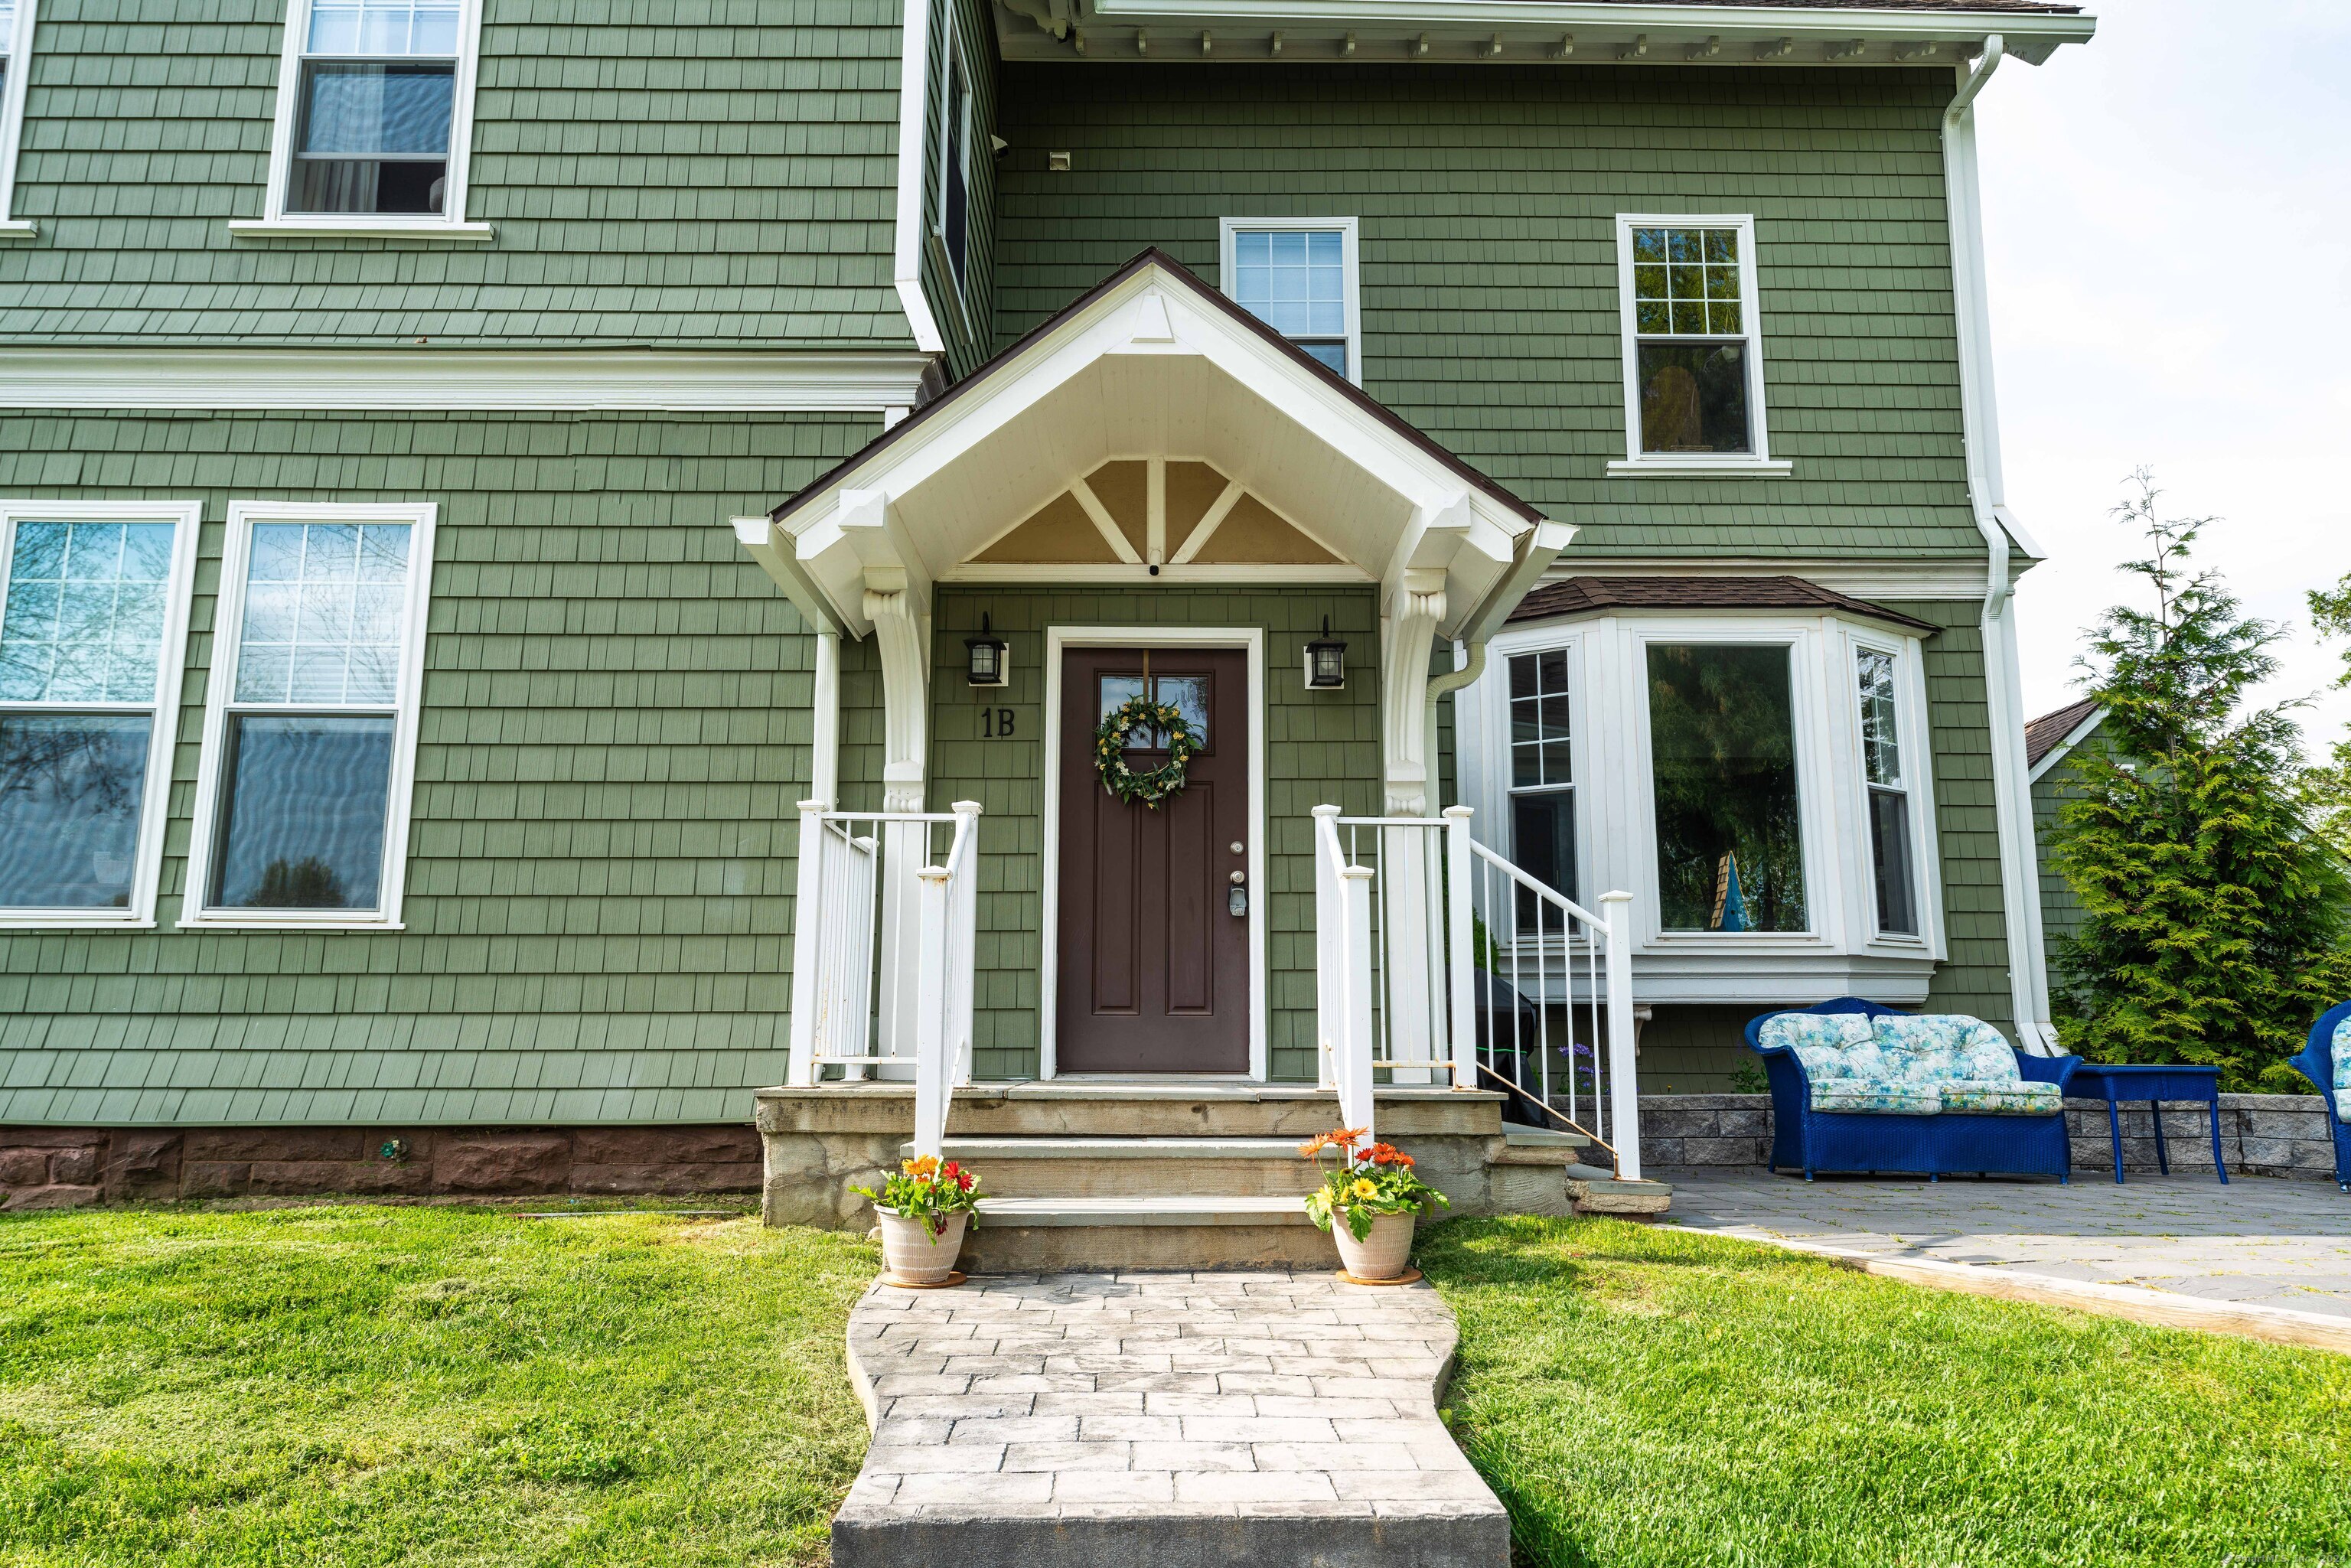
1888	792
1693	347
1299	276
95	619
955	160
15	46
374	112
310	739
1542	769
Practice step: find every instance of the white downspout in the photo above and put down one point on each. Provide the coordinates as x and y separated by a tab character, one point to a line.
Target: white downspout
2020	873
914	94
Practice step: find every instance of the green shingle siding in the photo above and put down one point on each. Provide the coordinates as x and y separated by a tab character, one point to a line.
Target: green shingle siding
1487	200
615	730
2060	907
1320	747
714	172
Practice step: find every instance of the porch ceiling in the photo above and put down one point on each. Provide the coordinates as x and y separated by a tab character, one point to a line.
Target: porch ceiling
1153	364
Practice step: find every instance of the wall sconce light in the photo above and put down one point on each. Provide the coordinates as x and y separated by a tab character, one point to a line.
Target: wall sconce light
1326	662
990	661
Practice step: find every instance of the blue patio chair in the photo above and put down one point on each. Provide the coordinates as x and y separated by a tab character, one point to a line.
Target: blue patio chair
2326	1062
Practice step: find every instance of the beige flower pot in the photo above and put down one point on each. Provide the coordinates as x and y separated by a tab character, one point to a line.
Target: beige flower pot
912	1253
1380	1255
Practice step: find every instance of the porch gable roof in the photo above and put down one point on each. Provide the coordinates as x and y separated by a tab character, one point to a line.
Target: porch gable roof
1152	361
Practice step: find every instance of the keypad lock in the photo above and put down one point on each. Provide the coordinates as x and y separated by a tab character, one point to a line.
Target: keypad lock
1237	895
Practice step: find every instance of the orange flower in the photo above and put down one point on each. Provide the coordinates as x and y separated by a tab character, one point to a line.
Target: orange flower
1343	1137
922	1169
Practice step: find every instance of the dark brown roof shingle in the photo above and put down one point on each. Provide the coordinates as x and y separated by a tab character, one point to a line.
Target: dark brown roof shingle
2043	735
1589	595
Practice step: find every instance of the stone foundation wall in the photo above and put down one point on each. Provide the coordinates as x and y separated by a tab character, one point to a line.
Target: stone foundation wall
57	1167
2261	1134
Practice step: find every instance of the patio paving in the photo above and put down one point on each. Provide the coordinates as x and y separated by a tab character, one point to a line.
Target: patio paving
2258	1241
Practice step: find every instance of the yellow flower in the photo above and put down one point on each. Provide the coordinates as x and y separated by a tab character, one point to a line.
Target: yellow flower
1364	1188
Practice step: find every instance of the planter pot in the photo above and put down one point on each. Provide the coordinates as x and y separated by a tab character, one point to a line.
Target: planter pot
912	1253
1381	1254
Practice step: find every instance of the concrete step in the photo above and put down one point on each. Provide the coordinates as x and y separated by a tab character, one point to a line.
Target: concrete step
1112	1167
1028	1234
1126	1108
1540	1146
1595	1189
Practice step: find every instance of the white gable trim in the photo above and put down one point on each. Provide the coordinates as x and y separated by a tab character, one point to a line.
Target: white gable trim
2057	753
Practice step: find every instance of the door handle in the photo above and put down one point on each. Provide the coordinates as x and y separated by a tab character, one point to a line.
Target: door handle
1237	895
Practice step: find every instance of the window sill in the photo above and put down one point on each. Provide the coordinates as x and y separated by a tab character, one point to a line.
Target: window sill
303	922
1687	469
65	920
366	228
18	229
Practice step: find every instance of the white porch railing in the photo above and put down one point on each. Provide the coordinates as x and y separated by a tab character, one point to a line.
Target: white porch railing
882	963
1403	907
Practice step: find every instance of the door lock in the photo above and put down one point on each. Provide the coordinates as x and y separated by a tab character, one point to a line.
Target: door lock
1237	895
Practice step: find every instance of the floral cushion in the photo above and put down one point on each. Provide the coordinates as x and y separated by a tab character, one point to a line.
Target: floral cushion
2341	1052
1878	1102
1943	1048
1834	1046
2001	1098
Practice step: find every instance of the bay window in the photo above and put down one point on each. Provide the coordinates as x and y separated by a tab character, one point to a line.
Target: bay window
93	623
1887	795
1723	764
302	792
1542	769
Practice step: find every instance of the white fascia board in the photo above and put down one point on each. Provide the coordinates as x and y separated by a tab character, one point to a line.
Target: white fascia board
2031	37
713	380
772	548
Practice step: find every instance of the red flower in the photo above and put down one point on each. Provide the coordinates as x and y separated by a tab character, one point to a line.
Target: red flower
963	1180
950	1170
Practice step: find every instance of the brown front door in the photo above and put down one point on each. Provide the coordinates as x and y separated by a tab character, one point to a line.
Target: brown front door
1153	967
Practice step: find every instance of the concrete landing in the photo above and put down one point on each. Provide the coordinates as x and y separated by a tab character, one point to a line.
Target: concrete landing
1188	1420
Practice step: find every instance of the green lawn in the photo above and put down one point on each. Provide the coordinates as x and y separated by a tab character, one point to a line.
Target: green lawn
421	1385
1644	1398
408	1385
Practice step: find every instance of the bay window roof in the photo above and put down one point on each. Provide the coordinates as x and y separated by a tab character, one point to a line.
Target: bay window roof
1596	595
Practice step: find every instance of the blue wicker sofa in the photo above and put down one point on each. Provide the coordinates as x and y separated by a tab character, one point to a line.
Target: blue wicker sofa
2326	1062
1860	1087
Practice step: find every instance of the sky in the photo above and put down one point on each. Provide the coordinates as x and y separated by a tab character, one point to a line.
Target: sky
2168	219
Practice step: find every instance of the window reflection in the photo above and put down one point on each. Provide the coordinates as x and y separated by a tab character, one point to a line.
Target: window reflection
1187	694
303	811
70	787
1723	754
84	619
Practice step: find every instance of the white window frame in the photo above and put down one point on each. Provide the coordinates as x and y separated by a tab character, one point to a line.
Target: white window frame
1910	737
449	222
172	661
1635	464
1568	640
11	121
219	703
1228	230
955	67
1615	828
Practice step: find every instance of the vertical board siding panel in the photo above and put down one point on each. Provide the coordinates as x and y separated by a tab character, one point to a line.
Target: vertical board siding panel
615	735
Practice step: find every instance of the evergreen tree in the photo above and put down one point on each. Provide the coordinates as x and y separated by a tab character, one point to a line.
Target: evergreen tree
2214	916
2331	610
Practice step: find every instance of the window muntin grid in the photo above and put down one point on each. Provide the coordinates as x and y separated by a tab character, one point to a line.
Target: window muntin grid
85	611
1295	281
1686	283
1881	740
325	607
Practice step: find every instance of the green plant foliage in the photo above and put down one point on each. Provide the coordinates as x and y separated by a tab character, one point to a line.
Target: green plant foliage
2330	610
2213	927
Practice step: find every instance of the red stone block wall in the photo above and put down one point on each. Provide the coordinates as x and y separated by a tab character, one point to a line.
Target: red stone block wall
55	1167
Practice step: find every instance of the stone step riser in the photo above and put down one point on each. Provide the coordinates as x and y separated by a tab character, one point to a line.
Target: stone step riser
1053	1111
1003	1178
995	1248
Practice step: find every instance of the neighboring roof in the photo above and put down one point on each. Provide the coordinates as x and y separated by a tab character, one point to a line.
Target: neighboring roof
1590	595
1184	277
2056	733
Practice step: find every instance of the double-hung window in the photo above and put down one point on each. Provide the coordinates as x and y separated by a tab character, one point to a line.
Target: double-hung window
1692	346
1542	769
1298	275
955	160
374	111
91	639
15	46
309	750
1892	870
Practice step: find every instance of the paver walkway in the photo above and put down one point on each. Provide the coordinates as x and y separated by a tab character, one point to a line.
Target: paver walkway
1179	1419
2258	1241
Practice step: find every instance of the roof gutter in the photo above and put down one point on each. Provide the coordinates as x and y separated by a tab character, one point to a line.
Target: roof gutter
2011	782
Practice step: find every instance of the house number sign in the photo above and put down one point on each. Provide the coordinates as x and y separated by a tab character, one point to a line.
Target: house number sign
995	723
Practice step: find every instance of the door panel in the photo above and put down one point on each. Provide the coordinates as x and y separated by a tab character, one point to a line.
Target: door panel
1153	973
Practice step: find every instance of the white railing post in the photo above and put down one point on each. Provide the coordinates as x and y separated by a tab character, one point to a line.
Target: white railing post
964	914
1460	961
1343	970
1330	947
1624	1082
929	992
1355	1079
811	920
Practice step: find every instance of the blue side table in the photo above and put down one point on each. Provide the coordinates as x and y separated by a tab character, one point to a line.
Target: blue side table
2153	1083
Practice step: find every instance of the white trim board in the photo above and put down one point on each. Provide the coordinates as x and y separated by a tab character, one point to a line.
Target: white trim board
186	518
2063	749
452	378
408	705
12	118
1958	581
1058	639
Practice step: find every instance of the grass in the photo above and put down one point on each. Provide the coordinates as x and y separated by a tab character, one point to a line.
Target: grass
410	1385
379	1385
1647	1397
